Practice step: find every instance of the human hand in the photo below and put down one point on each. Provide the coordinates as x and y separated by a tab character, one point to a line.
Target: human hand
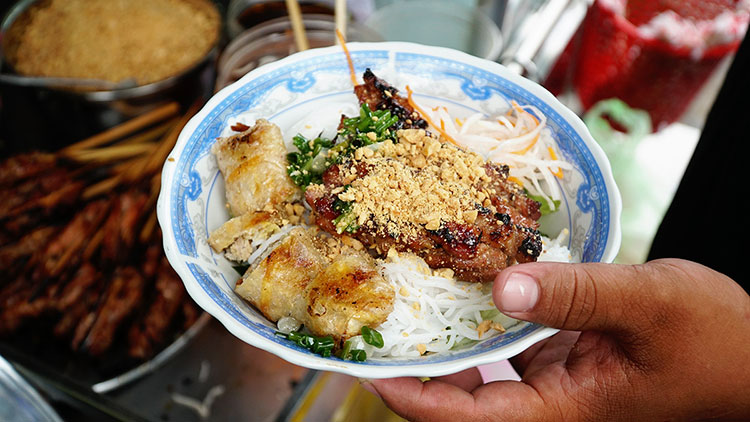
667	340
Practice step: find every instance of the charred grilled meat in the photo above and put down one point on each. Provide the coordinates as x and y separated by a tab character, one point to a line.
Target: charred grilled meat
379	95
446	205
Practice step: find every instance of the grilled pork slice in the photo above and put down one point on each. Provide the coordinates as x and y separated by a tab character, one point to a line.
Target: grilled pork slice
253	164
331	288
379	95
446	205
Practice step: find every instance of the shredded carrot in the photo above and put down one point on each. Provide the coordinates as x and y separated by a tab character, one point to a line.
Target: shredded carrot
502	123
516	181
520	111
525	150
442	125
459	122
558	173
436	108
352	73
426	117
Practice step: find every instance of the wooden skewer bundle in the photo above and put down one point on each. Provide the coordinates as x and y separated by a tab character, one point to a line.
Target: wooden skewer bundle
298	25
82	221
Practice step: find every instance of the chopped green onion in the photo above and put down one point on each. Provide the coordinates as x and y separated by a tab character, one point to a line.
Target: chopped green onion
372	337
307	166
320	345
344	353
358	355
385	122
346	222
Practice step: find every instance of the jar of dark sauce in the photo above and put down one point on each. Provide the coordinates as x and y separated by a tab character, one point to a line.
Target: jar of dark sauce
245	14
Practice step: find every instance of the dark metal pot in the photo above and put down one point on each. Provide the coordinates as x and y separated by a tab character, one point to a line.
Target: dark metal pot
34	116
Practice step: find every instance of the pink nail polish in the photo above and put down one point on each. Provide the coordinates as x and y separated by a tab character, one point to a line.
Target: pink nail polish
520	293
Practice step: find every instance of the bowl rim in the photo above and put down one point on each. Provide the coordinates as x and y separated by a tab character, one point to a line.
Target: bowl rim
380	371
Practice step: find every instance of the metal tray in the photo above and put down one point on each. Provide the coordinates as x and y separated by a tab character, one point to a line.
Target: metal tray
155	362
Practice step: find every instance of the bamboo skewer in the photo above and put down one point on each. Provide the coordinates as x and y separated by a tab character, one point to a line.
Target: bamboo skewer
141	166
102	187
131	126
112	153
148	227
156	160
298	26
151	134
340	18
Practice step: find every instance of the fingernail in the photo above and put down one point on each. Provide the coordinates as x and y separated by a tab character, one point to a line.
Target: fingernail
520	293
367	385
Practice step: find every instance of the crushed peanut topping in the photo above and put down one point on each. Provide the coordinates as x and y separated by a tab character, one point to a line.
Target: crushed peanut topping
331	246
483	327
443	272
418	181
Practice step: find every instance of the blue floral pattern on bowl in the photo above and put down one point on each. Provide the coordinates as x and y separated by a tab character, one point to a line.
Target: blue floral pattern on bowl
192	199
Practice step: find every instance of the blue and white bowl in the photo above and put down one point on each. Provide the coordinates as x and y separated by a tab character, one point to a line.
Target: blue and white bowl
192	201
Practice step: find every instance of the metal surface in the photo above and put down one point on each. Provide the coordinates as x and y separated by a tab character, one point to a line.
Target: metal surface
257	385
537	32
19	401
157	361
532	36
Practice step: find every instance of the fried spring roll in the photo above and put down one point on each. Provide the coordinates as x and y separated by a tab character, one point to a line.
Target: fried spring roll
331	293
253	164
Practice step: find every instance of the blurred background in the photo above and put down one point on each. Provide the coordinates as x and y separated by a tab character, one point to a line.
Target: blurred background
93	94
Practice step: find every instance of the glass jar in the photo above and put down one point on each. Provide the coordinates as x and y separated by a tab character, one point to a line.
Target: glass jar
245	14
274	39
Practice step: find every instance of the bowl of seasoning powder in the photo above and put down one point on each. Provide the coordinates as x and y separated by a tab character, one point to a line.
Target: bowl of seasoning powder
82	66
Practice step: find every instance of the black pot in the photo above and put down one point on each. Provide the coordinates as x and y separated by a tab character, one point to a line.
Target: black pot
33	116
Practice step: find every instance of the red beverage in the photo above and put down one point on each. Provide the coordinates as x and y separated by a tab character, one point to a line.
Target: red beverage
615	59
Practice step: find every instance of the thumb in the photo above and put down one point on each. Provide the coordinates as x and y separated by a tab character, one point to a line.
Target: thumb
580	297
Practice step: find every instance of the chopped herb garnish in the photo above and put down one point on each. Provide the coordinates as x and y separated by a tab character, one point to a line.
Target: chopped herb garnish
342	206
346	222
319	345
370	127
315	156
372	337
358	355
307	165
347	353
